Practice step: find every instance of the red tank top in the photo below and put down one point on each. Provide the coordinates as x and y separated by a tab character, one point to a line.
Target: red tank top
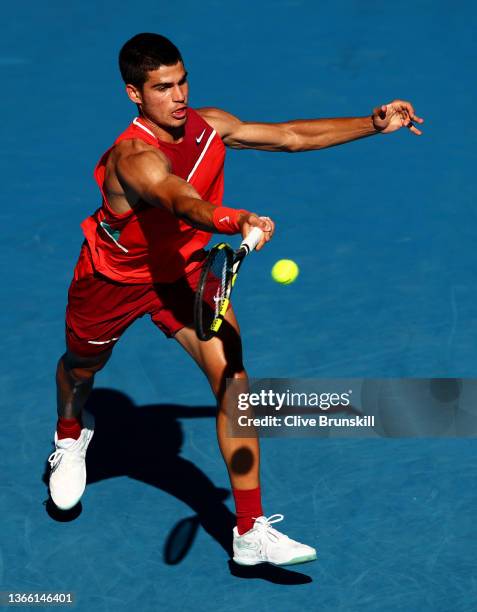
150	244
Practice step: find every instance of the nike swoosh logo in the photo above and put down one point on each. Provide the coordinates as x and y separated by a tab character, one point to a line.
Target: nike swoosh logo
198	139
225	219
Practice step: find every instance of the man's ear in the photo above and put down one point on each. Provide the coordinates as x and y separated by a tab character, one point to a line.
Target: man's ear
134	94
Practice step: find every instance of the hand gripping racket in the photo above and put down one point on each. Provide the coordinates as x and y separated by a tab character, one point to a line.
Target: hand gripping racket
217	279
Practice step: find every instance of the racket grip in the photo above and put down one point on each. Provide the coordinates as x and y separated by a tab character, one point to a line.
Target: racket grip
252	239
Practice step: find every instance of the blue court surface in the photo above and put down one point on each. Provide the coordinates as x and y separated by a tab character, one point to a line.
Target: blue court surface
383	230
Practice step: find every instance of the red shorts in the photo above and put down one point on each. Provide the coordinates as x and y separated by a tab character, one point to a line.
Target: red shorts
99	309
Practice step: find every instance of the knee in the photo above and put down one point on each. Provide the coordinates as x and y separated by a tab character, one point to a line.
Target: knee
219	383
81	375
81	370
239	375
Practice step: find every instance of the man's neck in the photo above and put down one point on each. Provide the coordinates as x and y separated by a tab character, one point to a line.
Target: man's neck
172	135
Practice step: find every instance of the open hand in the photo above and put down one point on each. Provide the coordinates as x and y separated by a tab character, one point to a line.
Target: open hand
395	115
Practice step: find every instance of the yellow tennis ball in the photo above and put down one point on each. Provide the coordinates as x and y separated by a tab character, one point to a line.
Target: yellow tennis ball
285	271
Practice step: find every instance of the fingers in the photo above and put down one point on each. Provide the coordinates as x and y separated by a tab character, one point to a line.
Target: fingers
268	228
408	114
412	115
414	129
265	224
409	119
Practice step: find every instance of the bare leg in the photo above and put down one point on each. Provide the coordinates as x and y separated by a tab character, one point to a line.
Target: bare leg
221	358
74	381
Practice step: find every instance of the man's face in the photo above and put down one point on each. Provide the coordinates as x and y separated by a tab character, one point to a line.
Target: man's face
163	97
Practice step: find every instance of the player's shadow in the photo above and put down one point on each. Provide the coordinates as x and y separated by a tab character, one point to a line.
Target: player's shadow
145	443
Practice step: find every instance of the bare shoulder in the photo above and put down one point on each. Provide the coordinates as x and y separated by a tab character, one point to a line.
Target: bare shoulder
136	154
222	121
136	148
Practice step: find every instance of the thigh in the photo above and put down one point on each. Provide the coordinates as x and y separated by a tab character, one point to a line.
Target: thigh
175	302
221	356
99	310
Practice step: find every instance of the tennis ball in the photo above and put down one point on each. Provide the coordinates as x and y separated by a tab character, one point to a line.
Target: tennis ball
285	271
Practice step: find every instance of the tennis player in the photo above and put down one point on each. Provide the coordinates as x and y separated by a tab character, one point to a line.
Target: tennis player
162	185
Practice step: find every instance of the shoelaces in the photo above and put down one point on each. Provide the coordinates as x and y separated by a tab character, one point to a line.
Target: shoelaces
55	457
266	526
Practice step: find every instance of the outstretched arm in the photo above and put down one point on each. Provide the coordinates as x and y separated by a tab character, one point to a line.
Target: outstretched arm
310	134
145	175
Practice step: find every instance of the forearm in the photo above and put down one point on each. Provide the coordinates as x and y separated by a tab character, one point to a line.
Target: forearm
182	200
206	216
194	211
308	135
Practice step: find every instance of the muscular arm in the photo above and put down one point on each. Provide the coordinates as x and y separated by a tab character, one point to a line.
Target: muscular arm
308	134
145	175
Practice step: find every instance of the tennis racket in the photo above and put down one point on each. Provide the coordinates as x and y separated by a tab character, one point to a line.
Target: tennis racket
217	279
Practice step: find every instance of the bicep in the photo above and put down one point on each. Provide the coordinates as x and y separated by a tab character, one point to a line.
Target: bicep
146	176
239	134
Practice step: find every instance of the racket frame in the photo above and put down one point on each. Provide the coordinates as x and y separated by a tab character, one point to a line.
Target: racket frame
234	260
207	334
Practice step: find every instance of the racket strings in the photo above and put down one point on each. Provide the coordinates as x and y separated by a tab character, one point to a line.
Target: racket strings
223	284
213	291
215	288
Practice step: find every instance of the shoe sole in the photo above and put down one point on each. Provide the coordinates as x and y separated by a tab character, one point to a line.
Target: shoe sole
64	508
294	561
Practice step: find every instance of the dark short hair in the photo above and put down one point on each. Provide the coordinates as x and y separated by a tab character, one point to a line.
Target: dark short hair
145	52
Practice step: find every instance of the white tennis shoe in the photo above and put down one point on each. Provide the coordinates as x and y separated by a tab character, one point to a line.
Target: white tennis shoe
264	544
68	466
